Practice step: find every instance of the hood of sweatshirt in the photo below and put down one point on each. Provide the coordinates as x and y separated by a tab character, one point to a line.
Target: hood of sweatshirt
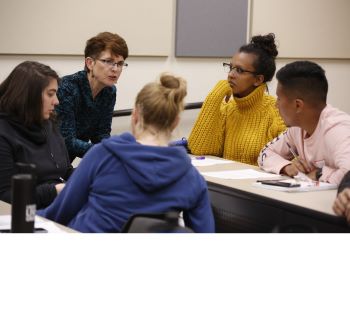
150	167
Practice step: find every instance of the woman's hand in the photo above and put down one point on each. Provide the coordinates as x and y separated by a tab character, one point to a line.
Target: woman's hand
59	187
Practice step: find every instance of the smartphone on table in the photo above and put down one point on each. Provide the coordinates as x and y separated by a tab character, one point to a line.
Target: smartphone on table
279	183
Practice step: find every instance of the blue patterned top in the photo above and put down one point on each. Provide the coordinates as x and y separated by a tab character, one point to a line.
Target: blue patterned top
82	120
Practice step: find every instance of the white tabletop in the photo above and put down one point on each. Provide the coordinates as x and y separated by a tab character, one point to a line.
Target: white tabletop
5	209
321	201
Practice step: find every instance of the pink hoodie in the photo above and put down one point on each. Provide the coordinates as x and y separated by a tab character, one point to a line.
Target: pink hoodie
328	147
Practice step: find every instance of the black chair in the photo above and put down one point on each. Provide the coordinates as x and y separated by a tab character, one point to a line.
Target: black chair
294	228
155	223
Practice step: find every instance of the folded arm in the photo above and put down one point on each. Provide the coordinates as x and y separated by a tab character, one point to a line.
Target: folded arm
207	136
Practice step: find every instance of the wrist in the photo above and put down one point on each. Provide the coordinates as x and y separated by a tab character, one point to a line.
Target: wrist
283	170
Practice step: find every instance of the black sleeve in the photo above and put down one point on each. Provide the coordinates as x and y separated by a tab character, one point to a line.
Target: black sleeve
7	169
44	193
69	172
67	116
105	123
345	183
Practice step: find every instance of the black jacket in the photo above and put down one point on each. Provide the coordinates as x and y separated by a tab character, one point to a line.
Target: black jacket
42	146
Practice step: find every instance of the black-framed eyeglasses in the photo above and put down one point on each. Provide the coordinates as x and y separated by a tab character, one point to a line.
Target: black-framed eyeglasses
111	64
228	68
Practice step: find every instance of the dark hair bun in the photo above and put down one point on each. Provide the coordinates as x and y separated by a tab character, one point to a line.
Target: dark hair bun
266	42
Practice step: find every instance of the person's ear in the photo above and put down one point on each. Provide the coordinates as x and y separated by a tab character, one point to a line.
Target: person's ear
259	79
299	105
89	62
134	116
175	123
133	121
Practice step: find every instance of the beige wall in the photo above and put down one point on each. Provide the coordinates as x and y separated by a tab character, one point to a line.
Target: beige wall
200	73
62	28
305	28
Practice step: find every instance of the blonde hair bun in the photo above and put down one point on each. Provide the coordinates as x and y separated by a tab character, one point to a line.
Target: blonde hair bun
162	101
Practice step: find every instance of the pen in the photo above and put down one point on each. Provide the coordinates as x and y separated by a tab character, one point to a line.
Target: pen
200	158
296	157
62	180
293	152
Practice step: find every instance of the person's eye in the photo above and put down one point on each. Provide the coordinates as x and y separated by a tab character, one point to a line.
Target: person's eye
239	70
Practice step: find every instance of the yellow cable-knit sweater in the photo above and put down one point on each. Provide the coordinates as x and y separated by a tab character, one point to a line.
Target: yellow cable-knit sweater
236	130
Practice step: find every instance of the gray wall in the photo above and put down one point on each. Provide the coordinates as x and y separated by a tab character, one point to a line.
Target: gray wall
207	28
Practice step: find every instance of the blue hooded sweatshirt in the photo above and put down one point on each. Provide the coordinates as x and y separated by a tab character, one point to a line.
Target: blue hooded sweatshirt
120	177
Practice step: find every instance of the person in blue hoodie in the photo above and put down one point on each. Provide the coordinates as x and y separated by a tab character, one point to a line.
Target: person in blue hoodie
139	173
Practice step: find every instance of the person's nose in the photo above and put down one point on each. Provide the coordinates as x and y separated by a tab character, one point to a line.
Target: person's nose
232	74
55	100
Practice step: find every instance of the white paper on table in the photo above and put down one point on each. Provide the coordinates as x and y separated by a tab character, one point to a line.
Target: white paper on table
208	162
241	174
50	227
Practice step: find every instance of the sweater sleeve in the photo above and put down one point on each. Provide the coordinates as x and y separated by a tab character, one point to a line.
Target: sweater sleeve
7	170
44	193
337	144
67	115
276	155
207	136
105	125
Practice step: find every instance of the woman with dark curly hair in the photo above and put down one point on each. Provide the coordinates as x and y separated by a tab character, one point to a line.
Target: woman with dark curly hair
238	117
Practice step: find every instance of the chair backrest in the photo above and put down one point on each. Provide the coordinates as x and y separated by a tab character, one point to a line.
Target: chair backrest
155	223
294	228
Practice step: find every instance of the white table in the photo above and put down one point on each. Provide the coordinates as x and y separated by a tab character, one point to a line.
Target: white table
239	206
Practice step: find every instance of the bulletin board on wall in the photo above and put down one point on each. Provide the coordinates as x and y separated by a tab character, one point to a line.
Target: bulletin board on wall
62	27
305	28
207	28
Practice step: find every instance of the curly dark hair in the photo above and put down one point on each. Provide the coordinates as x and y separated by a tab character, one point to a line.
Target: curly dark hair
265	50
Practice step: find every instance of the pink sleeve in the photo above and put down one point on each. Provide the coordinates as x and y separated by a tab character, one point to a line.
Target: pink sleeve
338	148
276	155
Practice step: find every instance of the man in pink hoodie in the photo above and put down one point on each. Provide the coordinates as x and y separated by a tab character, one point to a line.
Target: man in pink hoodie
317	141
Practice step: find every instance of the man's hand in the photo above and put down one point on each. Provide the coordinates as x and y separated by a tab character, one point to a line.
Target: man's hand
341	204
296	166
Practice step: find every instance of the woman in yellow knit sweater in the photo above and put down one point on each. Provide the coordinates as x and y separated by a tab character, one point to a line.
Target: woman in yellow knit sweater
237	117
